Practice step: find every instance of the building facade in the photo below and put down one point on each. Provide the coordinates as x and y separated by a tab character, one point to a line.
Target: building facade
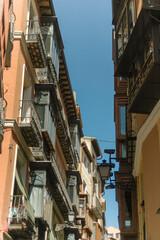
113	233
91	201
41	187
136	61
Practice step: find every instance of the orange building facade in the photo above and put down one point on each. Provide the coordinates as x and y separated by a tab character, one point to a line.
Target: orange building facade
41	128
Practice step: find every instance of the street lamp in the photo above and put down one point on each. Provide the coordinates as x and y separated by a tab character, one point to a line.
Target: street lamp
71	231
71	217
126	183
105	169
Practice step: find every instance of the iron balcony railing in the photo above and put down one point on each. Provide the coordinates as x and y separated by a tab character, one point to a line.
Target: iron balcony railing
2	117
12	20
134	88
28	118
20	210
60	184
36	44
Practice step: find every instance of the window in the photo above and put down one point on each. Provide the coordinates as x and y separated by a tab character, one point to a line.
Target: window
119	42
83	156
128	208
121	78
131	16
51	43
37	182
122	120
81	207
128	223
84	187
117	235
110	234
124	154
125	31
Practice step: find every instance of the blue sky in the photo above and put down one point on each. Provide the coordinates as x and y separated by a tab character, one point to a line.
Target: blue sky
86	28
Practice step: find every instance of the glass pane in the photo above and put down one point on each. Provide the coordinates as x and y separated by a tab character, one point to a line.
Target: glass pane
122	120
128	223
125	33
71	192
36	200
119	39
37	178
41	111
131	17
123	150
81	207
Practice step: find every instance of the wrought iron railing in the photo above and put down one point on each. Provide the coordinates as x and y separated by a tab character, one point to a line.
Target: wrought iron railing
20	210
33	30
28	114
2	116
141	77
12	20
34	34
60	184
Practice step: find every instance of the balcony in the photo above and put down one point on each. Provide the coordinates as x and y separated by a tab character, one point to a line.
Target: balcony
73	182
2	117
46	113
47	74
131	147
35	44
96	208
30	124
89	223
21	217
10	40
144	92
39	153
58	189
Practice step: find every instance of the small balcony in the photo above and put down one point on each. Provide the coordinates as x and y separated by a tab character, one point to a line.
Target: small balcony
12	19
35	44
96	208
21	217
47	74
52	179
30	124
46	113
89	223
2	117
40	154
144	91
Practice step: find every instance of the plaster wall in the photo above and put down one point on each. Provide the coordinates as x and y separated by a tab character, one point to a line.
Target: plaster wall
151	166
12	78
4	24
